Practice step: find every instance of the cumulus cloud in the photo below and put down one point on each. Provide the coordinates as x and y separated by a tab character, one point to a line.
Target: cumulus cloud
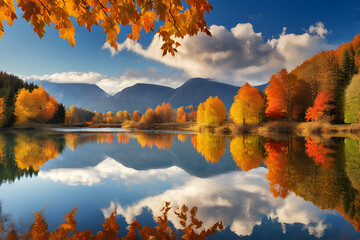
319	29
236	55
109	168
239	199
114	84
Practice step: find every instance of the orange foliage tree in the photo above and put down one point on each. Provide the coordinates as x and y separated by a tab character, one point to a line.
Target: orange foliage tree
286	96
36	106
136	116
164	113
175	20
192	116
247	105
322	106
211	112
181	115
149	116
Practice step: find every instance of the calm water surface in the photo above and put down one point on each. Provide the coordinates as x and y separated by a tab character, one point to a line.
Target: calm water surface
260	188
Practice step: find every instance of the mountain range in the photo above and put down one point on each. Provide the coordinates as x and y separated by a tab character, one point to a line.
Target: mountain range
140	96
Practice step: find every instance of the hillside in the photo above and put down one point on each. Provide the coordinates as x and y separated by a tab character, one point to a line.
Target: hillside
140	96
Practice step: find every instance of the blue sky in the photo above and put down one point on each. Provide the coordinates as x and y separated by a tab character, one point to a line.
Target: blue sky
249	43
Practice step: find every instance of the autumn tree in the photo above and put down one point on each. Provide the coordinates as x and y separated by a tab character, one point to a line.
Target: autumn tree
352	101
284	94
176	20
59	114
181	115
135	116
37	106
164	113
192	116
322	106
200	114
2	111
211	112
78	115
125	115
149	116
247	105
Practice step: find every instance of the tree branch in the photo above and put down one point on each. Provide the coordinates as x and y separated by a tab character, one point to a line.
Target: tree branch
44	7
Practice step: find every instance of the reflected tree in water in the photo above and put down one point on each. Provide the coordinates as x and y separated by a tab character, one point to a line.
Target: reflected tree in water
319	152
291	168
352	153
182	137
23	154
247	152
161	141
276	162
123	138
210	146
67	230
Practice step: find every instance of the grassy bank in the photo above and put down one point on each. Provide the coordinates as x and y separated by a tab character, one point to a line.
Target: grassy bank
306	129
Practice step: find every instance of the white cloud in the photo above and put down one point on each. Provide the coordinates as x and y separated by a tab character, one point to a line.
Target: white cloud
109	168
237	55
319	29
238	199
68	77
114	84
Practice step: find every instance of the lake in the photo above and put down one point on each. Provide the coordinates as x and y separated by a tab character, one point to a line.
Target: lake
259	188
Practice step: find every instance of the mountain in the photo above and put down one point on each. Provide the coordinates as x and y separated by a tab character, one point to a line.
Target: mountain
197	90
88	96
140	96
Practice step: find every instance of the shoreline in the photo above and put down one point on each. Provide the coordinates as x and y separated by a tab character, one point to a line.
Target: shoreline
275	128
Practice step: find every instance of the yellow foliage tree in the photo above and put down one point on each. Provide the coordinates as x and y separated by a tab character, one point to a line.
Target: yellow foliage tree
200	114
211	112
125	115
176	20
247	105
37	106
246	152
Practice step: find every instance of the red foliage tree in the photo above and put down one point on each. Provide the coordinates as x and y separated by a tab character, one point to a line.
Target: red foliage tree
322	106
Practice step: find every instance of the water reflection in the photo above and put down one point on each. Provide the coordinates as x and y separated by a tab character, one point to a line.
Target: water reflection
186	217
239	200
238	183
23	154
209	145
247	151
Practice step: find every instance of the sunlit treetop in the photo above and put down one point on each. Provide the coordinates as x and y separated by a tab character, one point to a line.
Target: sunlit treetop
177	21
